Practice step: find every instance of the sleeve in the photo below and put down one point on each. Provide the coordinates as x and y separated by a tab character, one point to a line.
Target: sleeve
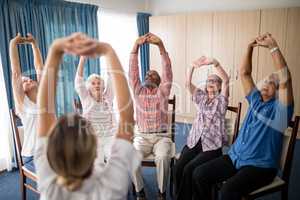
167	75
282	117
109	95
253	96
123	162
44	172
223	103
81	88
198	96
134	76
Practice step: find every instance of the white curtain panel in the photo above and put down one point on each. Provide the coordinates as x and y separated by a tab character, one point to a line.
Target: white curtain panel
6	135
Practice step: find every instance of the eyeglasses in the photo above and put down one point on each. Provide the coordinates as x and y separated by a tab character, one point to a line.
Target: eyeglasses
211	81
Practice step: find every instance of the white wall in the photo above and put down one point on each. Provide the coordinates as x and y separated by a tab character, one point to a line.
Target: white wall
163	7
124	6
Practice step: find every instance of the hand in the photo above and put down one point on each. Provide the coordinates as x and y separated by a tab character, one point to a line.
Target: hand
203	60
266	40
30	39
79	44
141	40
252	43
153	39
18	39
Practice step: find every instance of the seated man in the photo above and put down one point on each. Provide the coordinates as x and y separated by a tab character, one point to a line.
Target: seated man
253	159
151	99
25	93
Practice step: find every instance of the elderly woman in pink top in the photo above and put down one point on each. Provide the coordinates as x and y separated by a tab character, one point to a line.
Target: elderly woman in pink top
207	135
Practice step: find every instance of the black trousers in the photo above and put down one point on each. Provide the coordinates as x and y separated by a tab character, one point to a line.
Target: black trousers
183	170
238	182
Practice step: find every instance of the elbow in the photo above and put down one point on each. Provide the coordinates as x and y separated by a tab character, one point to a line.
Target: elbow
244	73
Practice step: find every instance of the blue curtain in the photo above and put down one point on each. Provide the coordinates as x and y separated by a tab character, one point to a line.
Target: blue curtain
47	20
143	28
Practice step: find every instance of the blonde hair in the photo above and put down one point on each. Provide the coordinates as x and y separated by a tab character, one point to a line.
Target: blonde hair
71	150
91	77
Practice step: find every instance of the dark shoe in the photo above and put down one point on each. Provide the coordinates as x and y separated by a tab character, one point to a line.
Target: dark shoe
161	196
141	195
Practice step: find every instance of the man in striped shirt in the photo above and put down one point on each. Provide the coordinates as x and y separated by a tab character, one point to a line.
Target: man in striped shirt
151	106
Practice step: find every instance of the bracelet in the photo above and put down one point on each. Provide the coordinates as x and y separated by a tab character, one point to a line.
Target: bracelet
274	49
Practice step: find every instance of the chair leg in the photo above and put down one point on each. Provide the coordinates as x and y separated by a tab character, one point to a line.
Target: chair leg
22	186
171	178
133	190
285	193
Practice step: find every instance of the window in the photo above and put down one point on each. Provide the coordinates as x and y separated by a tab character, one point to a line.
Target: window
6	138
120	30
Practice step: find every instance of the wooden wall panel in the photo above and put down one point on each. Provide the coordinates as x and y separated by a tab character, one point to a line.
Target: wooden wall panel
292	54
246	28
199	42
225	35
223	42
273	21
176	46
158	26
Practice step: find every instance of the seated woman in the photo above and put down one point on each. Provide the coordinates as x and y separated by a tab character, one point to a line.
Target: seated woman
67	147
253	159
25	92
207	135
97	104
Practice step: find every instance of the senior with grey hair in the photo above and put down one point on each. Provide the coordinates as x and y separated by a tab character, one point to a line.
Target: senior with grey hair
97	105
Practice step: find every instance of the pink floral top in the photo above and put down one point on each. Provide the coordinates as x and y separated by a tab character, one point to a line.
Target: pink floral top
209	124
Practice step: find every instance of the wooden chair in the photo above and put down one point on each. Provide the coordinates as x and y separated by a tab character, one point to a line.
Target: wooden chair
232	126
149	160
281	183
77	106
25	173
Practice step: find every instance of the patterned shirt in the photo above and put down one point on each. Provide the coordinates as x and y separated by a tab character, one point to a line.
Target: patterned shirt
100	114
209	124
151	105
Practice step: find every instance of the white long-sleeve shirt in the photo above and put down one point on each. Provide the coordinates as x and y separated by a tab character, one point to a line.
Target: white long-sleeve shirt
107	182
100	114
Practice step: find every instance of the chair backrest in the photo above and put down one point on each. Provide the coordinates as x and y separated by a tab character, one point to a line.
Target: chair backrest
232	125
172	103
288	146
77	106
17	140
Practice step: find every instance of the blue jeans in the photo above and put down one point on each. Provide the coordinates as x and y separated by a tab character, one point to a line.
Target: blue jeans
28	163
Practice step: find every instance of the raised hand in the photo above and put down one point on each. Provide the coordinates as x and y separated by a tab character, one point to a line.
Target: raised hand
153	39
18	39
203	60
253	43
30	39
141	40
79	44
266	40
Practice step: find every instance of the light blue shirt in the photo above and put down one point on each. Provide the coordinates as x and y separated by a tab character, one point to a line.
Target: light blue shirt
260	138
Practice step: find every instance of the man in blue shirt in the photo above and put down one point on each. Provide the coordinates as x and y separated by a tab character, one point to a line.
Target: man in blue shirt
253	159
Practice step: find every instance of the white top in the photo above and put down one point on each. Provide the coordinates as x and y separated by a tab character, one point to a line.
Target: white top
100	114
28	117
107	182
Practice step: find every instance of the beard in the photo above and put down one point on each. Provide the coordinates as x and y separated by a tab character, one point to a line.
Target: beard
149	84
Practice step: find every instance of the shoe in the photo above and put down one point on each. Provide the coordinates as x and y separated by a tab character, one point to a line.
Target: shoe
141	195
161	196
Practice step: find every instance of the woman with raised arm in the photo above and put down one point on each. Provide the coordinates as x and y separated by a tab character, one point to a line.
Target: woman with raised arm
97	107
25	92
207	135
67	147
